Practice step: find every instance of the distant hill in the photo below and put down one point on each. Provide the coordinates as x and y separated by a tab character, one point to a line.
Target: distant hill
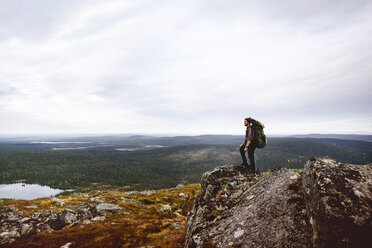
336	136
140	142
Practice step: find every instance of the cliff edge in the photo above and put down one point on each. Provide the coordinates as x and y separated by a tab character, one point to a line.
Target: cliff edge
327	204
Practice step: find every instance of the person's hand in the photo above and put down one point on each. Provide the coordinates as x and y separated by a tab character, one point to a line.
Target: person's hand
245	149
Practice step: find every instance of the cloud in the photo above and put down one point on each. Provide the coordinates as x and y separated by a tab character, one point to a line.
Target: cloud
185	67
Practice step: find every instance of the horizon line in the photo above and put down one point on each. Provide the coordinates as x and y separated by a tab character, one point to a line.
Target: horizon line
167	134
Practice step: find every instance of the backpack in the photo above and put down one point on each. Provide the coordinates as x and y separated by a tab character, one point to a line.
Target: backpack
258	133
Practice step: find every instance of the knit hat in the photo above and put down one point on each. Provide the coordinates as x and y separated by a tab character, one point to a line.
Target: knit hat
248	119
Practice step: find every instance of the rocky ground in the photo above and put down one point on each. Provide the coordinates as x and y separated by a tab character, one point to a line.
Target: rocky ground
155	218
328	204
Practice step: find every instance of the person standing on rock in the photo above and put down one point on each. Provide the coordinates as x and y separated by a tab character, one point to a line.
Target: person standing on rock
249	145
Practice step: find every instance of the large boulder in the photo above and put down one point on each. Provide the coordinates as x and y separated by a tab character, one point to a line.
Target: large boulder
326	205
339	203
234	210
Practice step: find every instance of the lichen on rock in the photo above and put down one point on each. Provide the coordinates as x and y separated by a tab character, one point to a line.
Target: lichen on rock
255	212
326	205
338	200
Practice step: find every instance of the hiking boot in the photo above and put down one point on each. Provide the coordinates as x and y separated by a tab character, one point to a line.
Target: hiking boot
249	172
253	174
240	168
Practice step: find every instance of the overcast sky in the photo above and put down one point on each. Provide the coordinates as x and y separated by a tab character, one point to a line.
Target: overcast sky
185	67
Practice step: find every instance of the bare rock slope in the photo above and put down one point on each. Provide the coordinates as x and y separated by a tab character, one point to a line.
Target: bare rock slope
326	205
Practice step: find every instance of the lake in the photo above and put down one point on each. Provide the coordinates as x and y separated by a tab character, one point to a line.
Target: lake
21	191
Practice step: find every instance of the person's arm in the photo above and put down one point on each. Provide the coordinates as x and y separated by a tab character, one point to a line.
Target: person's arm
247	145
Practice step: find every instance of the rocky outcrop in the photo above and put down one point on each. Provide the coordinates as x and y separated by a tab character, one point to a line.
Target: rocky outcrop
328	205
339	203
13	224
234	210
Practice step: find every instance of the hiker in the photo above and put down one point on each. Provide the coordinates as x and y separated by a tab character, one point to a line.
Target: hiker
249	145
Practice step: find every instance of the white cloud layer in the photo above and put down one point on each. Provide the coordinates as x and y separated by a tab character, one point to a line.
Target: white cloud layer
186	67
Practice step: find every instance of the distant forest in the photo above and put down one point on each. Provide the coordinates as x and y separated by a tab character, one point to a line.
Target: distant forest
161	167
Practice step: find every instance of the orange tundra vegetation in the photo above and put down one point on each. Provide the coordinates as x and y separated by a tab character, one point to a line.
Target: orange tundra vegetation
154	219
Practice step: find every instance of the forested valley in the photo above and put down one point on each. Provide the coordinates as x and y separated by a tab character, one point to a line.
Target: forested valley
162	167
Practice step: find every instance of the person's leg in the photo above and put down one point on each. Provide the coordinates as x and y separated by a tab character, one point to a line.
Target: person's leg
252	163
243	155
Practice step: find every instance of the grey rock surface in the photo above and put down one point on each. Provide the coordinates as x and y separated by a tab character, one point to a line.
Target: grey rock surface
14	225
339	200
84	211
67	245
326	205
96	200
99	218
235	210
68	216
58	202
107	207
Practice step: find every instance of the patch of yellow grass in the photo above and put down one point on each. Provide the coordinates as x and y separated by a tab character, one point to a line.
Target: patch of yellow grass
138	224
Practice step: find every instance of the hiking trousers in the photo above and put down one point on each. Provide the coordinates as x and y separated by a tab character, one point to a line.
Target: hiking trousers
252	163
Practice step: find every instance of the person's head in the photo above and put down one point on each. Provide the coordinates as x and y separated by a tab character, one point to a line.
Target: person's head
247	121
